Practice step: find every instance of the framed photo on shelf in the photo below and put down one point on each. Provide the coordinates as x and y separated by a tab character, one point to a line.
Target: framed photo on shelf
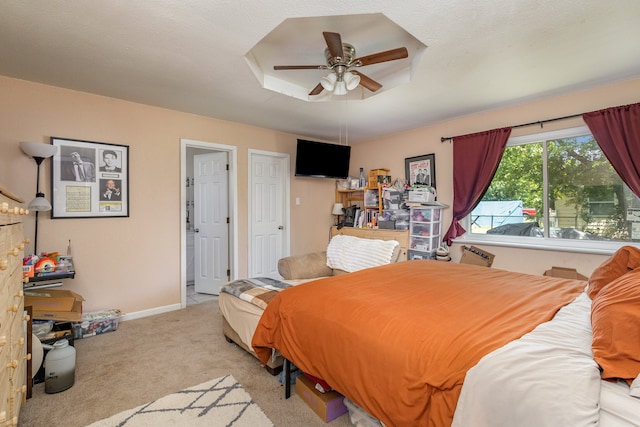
89	179
421	170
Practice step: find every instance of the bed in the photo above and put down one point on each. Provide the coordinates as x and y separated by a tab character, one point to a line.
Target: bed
425	343
240	315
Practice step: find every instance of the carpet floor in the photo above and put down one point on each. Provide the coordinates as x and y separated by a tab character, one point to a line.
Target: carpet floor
156	356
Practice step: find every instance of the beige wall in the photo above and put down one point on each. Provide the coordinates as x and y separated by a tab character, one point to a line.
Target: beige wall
134	263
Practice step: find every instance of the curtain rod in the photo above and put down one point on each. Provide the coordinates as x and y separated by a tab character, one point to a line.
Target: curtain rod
539	122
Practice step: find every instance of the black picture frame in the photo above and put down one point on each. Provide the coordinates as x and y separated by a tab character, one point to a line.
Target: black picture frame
414	165
89	179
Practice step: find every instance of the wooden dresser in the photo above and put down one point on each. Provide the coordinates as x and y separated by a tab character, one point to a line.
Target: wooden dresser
13	355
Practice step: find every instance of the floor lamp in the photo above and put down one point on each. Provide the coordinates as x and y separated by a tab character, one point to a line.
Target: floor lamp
38	152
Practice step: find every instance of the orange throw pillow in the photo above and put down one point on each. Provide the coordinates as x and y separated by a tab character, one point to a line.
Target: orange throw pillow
615	319
625	259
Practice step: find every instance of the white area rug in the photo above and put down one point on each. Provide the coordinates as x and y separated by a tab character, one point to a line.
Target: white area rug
216	403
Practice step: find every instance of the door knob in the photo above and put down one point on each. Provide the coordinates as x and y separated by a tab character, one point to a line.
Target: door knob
280	227
196	230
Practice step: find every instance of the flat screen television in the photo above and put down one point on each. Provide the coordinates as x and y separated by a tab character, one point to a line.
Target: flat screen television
322	160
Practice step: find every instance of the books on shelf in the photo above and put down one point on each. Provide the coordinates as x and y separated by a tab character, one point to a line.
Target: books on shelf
366	218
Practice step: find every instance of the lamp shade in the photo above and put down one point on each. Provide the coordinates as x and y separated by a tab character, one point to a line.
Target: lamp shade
40	203
36	149
341	88
351	80
337	209
328	82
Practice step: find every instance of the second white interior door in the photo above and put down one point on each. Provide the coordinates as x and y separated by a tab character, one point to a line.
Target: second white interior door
268	212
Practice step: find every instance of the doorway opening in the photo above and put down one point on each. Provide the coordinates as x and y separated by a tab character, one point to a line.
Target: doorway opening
188	229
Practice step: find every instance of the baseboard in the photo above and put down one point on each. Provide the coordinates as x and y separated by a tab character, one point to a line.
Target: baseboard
150	312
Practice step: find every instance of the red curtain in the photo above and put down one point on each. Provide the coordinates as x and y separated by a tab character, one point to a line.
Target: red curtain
617	132
475	161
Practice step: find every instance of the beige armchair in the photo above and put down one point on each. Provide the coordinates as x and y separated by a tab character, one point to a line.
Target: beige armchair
314	265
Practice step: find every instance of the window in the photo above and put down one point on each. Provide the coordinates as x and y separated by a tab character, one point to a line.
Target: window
556	189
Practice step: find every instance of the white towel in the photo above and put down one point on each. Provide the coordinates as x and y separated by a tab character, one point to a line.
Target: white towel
351	253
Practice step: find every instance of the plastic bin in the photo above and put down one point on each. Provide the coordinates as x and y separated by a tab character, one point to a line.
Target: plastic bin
96	323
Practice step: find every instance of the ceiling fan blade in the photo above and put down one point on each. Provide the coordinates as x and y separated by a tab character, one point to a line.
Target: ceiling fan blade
316	90
367	82
389	55
334	43
299	67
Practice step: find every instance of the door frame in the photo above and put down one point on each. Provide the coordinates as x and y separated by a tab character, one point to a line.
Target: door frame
286	196
232	153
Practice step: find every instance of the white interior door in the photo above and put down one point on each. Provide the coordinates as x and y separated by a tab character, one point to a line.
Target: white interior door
211	222
268	212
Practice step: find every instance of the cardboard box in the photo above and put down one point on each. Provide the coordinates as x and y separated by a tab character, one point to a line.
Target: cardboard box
96	323
378	176
328	406
54	304
476	256
27	271
565	273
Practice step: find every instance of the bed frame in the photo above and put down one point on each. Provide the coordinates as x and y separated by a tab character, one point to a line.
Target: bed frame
273	366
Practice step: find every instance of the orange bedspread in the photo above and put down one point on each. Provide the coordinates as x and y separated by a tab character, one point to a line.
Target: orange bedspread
398	339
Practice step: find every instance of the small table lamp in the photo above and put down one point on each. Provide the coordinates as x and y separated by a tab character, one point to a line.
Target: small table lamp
338	209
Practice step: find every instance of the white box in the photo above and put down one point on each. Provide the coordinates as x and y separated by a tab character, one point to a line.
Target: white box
421	195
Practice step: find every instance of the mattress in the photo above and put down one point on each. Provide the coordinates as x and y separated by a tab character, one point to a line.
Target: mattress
242	316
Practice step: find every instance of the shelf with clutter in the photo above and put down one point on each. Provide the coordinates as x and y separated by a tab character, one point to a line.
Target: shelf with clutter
46	267
380	202
362	199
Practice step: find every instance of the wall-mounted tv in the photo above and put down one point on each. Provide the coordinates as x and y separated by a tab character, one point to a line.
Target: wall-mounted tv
322	160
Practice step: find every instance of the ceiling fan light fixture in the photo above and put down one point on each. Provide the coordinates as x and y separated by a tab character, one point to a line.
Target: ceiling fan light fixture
341	88
351	80
328	82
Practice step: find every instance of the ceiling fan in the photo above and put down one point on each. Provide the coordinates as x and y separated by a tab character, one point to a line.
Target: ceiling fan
341	62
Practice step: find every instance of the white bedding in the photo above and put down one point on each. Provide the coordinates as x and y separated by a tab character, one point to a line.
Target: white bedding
546	378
